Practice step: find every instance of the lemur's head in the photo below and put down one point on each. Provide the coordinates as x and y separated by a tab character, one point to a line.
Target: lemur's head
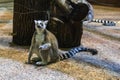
40	25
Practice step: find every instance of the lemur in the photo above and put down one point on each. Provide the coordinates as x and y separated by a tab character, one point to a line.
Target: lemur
44	44
104	22
90	15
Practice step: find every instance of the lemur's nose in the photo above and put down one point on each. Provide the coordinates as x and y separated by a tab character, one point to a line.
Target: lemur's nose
39	26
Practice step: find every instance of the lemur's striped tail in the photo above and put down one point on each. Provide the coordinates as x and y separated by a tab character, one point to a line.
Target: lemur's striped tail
104	22
75	50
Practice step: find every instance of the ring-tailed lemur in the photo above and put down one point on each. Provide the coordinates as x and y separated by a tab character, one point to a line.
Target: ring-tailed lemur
104	22
44	44
90	16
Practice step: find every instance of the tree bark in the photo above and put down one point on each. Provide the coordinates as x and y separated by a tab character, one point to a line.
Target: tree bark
68	34
25	12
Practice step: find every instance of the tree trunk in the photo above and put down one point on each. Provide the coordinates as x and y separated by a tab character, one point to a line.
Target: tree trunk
68	34
25	12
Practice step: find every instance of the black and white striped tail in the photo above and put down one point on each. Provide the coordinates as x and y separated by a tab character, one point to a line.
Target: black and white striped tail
75	50
104	22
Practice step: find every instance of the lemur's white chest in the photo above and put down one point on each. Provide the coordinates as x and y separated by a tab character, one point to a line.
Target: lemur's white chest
39	38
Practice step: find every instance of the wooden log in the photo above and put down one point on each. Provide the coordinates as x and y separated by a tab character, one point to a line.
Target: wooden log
25	12
68	34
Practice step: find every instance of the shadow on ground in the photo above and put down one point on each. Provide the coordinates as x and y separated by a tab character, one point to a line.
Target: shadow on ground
96	61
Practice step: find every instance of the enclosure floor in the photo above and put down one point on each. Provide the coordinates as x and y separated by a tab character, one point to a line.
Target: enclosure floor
83	66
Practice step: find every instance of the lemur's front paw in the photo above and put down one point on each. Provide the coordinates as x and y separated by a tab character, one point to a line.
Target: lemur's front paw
40	63
45	46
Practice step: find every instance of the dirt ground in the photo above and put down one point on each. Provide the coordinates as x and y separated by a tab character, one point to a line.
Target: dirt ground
83	66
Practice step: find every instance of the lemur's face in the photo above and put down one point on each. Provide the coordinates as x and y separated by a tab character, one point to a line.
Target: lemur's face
41	23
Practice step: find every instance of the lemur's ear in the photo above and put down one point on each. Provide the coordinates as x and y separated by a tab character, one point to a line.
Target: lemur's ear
46	21
35	21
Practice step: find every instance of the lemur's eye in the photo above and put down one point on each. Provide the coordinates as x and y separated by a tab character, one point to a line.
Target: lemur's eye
41	24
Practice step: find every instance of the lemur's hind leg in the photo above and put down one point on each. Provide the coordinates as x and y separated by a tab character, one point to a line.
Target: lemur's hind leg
44	59
30	55
36	59
31	50
44	52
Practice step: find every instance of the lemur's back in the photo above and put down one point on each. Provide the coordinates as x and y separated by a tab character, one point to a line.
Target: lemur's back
50	38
